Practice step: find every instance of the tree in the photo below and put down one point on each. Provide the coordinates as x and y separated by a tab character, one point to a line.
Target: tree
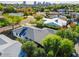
39	52
50	7
21	40
38	20
29	47
50	54
28	11
1	7
66	47
47	11
77	29
13	19
3	22
9	9
68	33
56	46
51	42
39	23
38	17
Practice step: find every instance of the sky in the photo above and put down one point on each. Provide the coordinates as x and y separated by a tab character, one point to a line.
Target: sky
31	1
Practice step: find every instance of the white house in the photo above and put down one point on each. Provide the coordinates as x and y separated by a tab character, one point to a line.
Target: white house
55	22
8	47
32	33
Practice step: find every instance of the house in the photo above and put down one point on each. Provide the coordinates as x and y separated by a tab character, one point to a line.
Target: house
53	14
55	22
32	33
41	13
8	47
61	11
16	14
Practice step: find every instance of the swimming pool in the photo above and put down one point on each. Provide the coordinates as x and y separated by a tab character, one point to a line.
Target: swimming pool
22	53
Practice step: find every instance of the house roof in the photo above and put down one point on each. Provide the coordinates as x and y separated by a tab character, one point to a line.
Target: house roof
9	48
54	13
57	21
16	14
61	10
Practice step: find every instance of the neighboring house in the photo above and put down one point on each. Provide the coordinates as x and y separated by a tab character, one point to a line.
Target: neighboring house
61	11
62	17
32	33
77	15
75	18
55	22
8	47
41	13
16	14
53	14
